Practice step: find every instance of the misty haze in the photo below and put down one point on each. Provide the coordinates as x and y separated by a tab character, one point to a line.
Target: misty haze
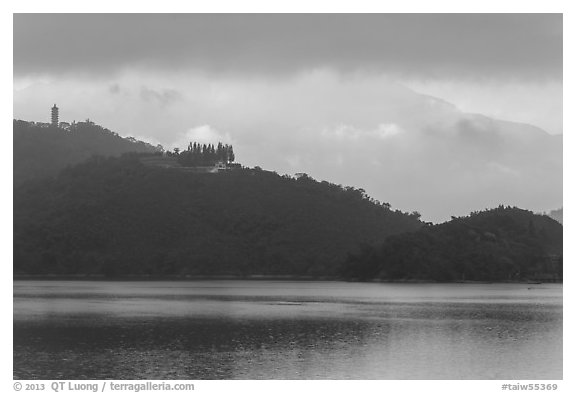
268	196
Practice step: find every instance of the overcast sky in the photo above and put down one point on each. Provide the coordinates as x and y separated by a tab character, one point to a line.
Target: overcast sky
378	101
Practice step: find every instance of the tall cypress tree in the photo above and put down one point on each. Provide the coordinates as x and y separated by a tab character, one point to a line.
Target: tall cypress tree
231	156
219	152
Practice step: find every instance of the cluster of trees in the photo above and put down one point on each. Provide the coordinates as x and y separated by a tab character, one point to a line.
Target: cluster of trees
115	216
205	154
44	151
502	244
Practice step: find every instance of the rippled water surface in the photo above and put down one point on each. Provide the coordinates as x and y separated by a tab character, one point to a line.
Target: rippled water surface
286	330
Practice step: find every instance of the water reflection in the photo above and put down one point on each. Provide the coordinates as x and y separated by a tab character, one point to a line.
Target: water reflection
263	330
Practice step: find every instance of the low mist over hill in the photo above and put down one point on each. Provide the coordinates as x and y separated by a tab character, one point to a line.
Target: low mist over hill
495	245
557	214
116	216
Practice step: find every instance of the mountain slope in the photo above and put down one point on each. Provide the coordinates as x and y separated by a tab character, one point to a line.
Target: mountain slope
116	216
499	244
41	151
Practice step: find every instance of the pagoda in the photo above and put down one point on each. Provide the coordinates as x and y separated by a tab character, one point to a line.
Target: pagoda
55	116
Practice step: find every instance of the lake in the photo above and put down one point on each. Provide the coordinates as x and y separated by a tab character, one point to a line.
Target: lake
286	330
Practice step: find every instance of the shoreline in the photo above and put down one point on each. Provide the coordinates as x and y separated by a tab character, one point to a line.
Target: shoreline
224	277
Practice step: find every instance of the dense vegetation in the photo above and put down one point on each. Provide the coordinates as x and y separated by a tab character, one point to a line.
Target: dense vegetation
496	245
115	216
41	151
204	154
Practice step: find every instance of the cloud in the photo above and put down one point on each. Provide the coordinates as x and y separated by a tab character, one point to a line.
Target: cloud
349	132
502	169
202	134
537	102
114	88
385	131
425	45
293	161
163	97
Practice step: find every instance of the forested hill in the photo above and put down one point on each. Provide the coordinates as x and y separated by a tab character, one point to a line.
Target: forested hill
41	150
502	244
115	216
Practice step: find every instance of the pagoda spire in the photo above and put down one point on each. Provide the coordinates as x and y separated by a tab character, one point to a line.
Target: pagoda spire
55	116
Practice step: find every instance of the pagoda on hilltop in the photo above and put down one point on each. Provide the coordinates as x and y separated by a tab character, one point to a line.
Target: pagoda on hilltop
55	116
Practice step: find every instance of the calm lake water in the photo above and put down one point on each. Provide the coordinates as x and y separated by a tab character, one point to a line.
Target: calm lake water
286	330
